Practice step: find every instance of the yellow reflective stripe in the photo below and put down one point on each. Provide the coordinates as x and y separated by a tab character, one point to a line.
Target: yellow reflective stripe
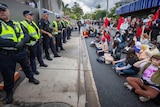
9	48
7	36
5	26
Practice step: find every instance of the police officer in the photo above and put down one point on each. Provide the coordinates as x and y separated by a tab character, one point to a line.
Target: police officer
12	41
47	36
64	30
57	32
68	28
34	33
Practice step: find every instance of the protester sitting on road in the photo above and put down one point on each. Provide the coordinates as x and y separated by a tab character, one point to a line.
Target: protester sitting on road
115	53
131	44
145	39
104	47
107	36
120	38
148	86
152	49
85	33
125	66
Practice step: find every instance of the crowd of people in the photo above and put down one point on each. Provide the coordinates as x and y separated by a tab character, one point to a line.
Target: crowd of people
138	40
20	42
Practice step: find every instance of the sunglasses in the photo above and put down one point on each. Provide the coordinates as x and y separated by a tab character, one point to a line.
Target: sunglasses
2	9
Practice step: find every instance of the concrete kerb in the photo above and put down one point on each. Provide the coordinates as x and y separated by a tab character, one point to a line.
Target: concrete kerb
87	67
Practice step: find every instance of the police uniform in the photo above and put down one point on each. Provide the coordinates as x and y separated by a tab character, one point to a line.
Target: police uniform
58	35
64	30
34	32
12	41
47	41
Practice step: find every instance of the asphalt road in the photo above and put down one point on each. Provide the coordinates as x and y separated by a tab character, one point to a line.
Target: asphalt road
111	90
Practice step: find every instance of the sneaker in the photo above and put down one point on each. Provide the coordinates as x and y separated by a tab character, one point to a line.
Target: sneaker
129	87
121	73
143	99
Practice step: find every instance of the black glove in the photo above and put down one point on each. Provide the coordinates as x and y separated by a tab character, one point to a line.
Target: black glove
19	45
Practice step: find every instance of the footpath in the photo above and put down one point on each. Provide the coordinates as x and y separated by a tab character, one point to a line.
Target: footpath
62	83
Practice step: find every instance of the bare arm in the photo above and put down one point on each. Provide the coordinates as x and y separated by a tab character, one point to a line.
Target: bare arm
138	63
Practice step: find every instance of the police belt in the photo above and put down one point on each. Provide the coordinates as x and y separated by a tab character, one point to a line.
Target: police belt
9	52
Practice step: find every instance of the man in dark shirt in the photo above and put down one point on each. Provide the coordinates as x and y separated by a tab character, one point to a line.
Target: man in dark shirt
47	36
58	33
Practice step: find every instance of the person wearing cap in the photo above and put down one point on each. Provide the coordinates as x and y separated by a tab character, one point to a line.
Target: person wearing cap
47	36
68	28
12	50
34	32
57	32
148	86
64	30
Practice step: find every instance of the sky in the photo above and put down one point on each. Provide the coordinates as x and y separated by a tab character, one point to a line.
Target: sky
89	5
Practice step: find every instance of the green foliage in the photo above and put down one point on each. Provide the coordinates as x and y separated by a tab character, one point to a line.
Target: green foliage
74	12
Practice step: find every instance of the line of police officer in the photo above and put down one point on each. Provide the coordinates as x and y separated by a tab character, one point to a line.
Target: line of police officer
13	41
16	38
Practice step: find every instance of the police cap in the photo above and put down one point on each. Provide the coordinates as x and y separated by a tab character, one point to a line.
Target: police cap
3	6
25	12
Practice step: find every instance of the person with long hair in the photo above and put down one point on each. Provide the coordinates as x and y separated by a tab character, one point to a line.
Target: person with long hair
148	86
125	66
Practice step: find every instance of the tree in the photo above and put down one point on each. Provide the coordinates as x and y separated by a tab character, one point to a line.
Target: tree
74	12
98	6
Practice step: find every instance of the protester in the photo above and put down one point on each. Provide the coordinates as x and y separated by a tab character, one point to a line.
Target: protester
148	86
125	66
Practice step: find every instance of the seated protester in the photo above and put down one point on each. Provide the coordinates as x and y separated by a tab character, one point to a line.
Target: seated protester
107	36
125	66
131	44
148	86
143	54
85	33
130	35
152	49
96	40
104	47
137	48
91	32
145	39
120	39
115	53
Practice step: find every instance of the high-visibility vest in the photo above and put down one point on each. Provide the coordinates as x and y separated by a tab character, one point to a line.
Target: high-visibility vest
56	26
32	32
64	23
68	23
15	34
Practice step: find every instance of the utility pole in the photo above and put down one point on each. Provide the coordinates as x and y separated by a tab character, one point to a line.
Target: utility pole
107	5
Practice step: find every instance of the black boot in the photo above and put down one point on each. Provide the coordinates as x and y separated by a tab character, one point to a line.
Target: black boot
33	80
9	97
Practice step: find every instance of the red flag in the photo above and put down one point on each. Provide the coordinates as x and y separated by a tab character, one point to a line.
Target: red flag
156	15
120	21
